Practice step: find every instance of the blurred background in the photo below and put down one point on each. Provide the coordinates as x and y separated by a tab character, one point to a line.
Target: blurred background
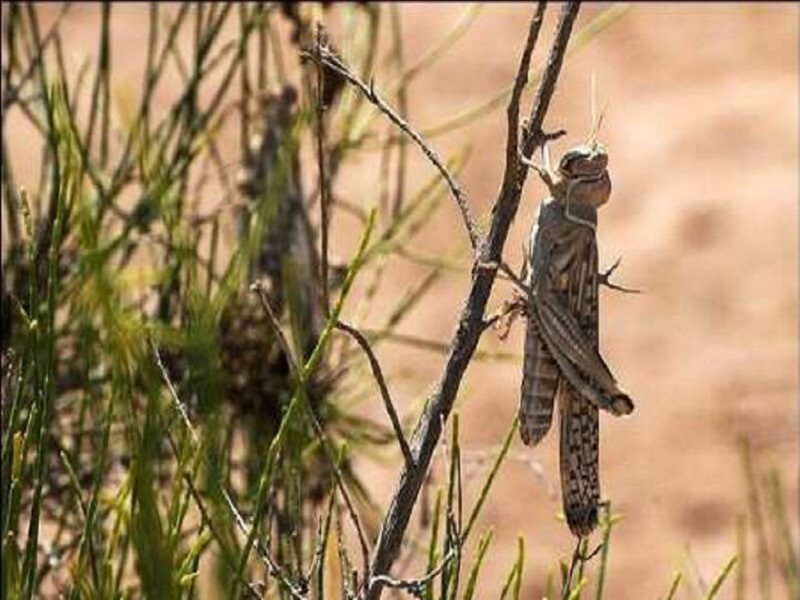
701	126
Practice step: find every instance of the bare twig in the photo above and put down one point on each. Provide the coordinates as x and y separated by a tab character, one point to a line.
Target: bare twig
174	394
333	62
520	81
416	587
387	399
470	324
12	94
579	558
324	184
533	135
276	327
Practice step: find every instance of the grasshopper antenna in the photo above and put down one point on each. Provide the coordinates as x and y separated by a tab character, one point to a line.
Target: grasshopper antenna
597	119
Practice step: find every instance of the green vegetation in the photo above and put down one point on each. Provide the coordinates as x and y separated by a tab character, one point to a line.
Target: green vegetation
168	431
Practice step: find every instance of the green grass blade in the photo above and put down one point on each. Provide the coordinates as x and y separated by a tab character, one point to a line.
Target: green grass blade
490	477
575	594
608	524
673	588
512	581
717	584
472	581
520	566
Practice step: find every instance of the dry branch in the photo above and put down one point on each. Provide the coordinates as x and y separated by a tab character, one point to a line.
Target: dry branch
387	399
471	321
333	62
324	184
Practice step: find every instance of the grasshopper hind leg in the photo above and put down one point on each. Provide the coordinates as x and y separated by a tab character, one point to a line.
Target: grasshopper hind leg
540	378
579	459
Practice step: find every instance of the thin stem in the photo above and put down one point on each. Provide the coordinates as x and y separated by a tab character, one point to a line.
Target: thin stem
387	399
324	184
336	64
301	376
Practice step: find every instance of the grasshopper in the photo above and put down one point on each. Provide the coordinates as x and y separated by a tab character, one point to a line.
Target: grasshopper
561	357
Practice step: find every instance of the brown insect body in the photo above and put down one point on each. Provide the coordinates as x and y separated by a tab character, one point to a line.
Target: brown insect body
562	362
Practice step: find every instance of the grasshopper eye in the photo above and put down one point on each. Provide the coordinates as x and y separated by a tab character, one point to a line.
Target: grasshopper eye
573	158
583	161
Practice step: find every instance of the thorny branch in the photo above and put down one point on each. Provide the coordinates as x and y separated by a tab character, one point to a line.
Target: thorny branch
471	322
333	62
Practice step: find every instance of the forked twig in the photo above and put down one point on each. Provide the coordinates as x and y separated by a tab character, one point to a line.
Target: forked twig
471	321
333	62
416	587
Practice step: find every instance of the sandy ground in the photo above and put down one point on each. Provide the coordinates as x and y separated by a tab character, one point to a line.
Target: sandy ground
701	126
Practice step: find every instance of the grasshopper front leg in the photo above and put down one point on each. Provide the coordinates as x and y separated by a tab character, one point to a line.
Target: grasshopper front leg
604	279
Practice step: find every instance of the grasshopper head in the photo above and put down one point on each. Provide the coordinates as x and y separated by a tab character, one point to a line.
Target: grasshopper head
584	173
